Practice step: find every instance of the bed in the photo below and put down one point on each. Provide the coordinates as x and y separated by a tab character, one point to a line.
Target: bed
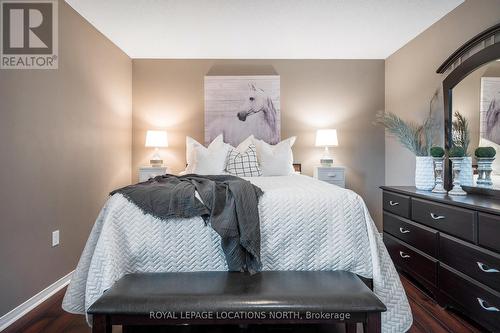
306	224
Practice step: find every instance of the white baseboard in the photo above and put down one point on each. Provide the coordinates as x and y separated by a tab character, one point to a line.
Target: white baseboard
12	316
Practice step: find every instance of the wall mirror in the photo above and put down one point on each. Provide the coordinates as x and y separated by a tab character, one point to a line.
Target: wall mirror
472	93
476	106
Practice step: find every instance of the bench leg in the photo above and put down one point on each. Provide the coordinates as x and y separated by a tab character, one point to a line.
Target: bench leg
351	327
101	324
373	323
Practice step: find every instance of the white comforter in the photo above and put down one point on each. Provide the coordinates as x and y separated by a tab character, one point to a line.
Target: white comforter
305	225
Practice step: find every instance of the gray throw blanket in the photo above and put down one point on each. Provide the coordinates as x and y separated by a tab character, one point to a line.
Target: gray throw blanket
230	206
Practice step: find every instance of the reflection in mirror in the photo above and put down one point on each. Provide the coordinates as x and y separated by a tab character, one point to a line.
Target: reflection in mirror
476	119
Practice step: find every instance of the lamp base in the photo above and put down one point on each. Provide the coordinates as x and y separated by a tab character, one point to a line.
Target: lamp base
326	162
156	163
327	159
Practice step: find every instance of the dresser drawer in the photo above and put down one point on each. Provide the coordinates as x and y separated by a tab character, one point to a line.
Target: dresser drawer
336	182
477	301
481	265
420	237
455	221
146	173
489	231
411	260
326	174
331	175
397	204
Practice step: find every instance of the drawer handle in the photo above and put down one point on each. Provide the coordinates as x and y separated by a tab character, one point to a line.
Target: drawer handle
485	306
404	255
437	217
403	230
393	203
332	175
486	269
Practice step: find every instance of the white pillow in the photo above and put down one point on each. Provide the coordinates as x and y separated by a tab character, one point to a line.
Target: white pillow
191	143
276	160
209	161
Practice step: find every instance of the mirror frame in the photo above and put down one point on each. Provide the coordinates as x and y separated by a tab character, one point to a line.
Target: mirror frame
456	75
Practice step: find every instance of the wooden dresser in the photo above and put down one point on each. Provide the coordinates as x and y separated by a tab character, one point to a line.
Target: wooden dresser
450	245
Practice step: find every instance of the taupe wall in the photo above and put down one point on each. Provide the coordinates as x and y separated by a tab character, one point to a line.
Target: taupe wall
343	94
65	142
411	79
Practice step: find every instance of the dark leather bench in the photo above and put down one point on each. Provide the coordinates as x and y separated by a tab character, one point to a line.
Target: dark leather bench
289	297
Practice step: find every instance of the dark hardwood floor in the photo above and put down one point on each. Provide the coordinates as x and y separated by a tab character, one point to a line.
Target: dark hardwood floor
427	317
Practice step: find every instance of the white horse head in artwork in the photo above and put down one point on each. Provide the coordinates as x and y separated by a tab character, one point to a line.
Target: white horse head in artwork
493	121
261	105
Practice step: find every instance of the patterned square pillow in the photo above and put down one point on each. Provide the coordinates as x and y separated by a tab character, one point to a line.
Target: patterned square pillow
243	164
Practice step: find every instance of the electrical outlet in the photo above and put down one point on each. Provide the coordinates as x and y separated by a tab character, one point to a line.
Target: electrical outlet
55	238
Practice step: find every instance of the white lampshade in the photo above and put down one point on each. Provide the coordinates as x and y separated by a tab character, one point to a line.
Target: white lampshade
326	138
156	139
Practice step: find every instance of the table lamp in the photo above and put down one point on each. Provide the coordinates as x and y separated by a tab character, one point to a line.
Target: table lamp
156	140
326	138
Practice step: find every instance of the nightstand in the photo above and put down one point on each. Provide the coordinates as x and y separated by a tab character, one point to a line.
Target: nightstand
333	175
147	172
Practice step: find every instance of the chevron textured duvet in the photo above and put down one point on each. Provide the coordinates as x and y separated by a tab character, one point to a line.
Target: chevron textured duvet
305	225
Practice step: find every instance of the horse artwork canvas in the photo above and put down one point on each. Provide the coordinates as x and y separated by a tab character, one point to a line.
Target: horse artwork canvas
239	106
490	109
489	117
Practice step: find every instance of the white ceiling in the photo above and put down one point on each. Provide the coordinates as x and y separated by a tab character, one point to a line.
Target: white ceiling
262	29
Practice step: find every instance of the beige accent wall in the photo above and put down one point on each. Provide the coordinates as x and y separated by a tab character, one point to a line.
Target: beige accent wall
411	79
343	94
65	142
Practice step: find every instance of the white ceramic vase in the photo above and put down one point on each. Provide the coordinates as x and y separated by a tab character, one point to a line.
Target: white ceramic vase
424	173
466	172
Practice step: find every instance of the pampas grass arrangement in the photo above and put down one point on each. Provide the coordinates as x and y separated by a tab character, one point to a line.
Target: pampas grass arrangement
417	138
460	132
